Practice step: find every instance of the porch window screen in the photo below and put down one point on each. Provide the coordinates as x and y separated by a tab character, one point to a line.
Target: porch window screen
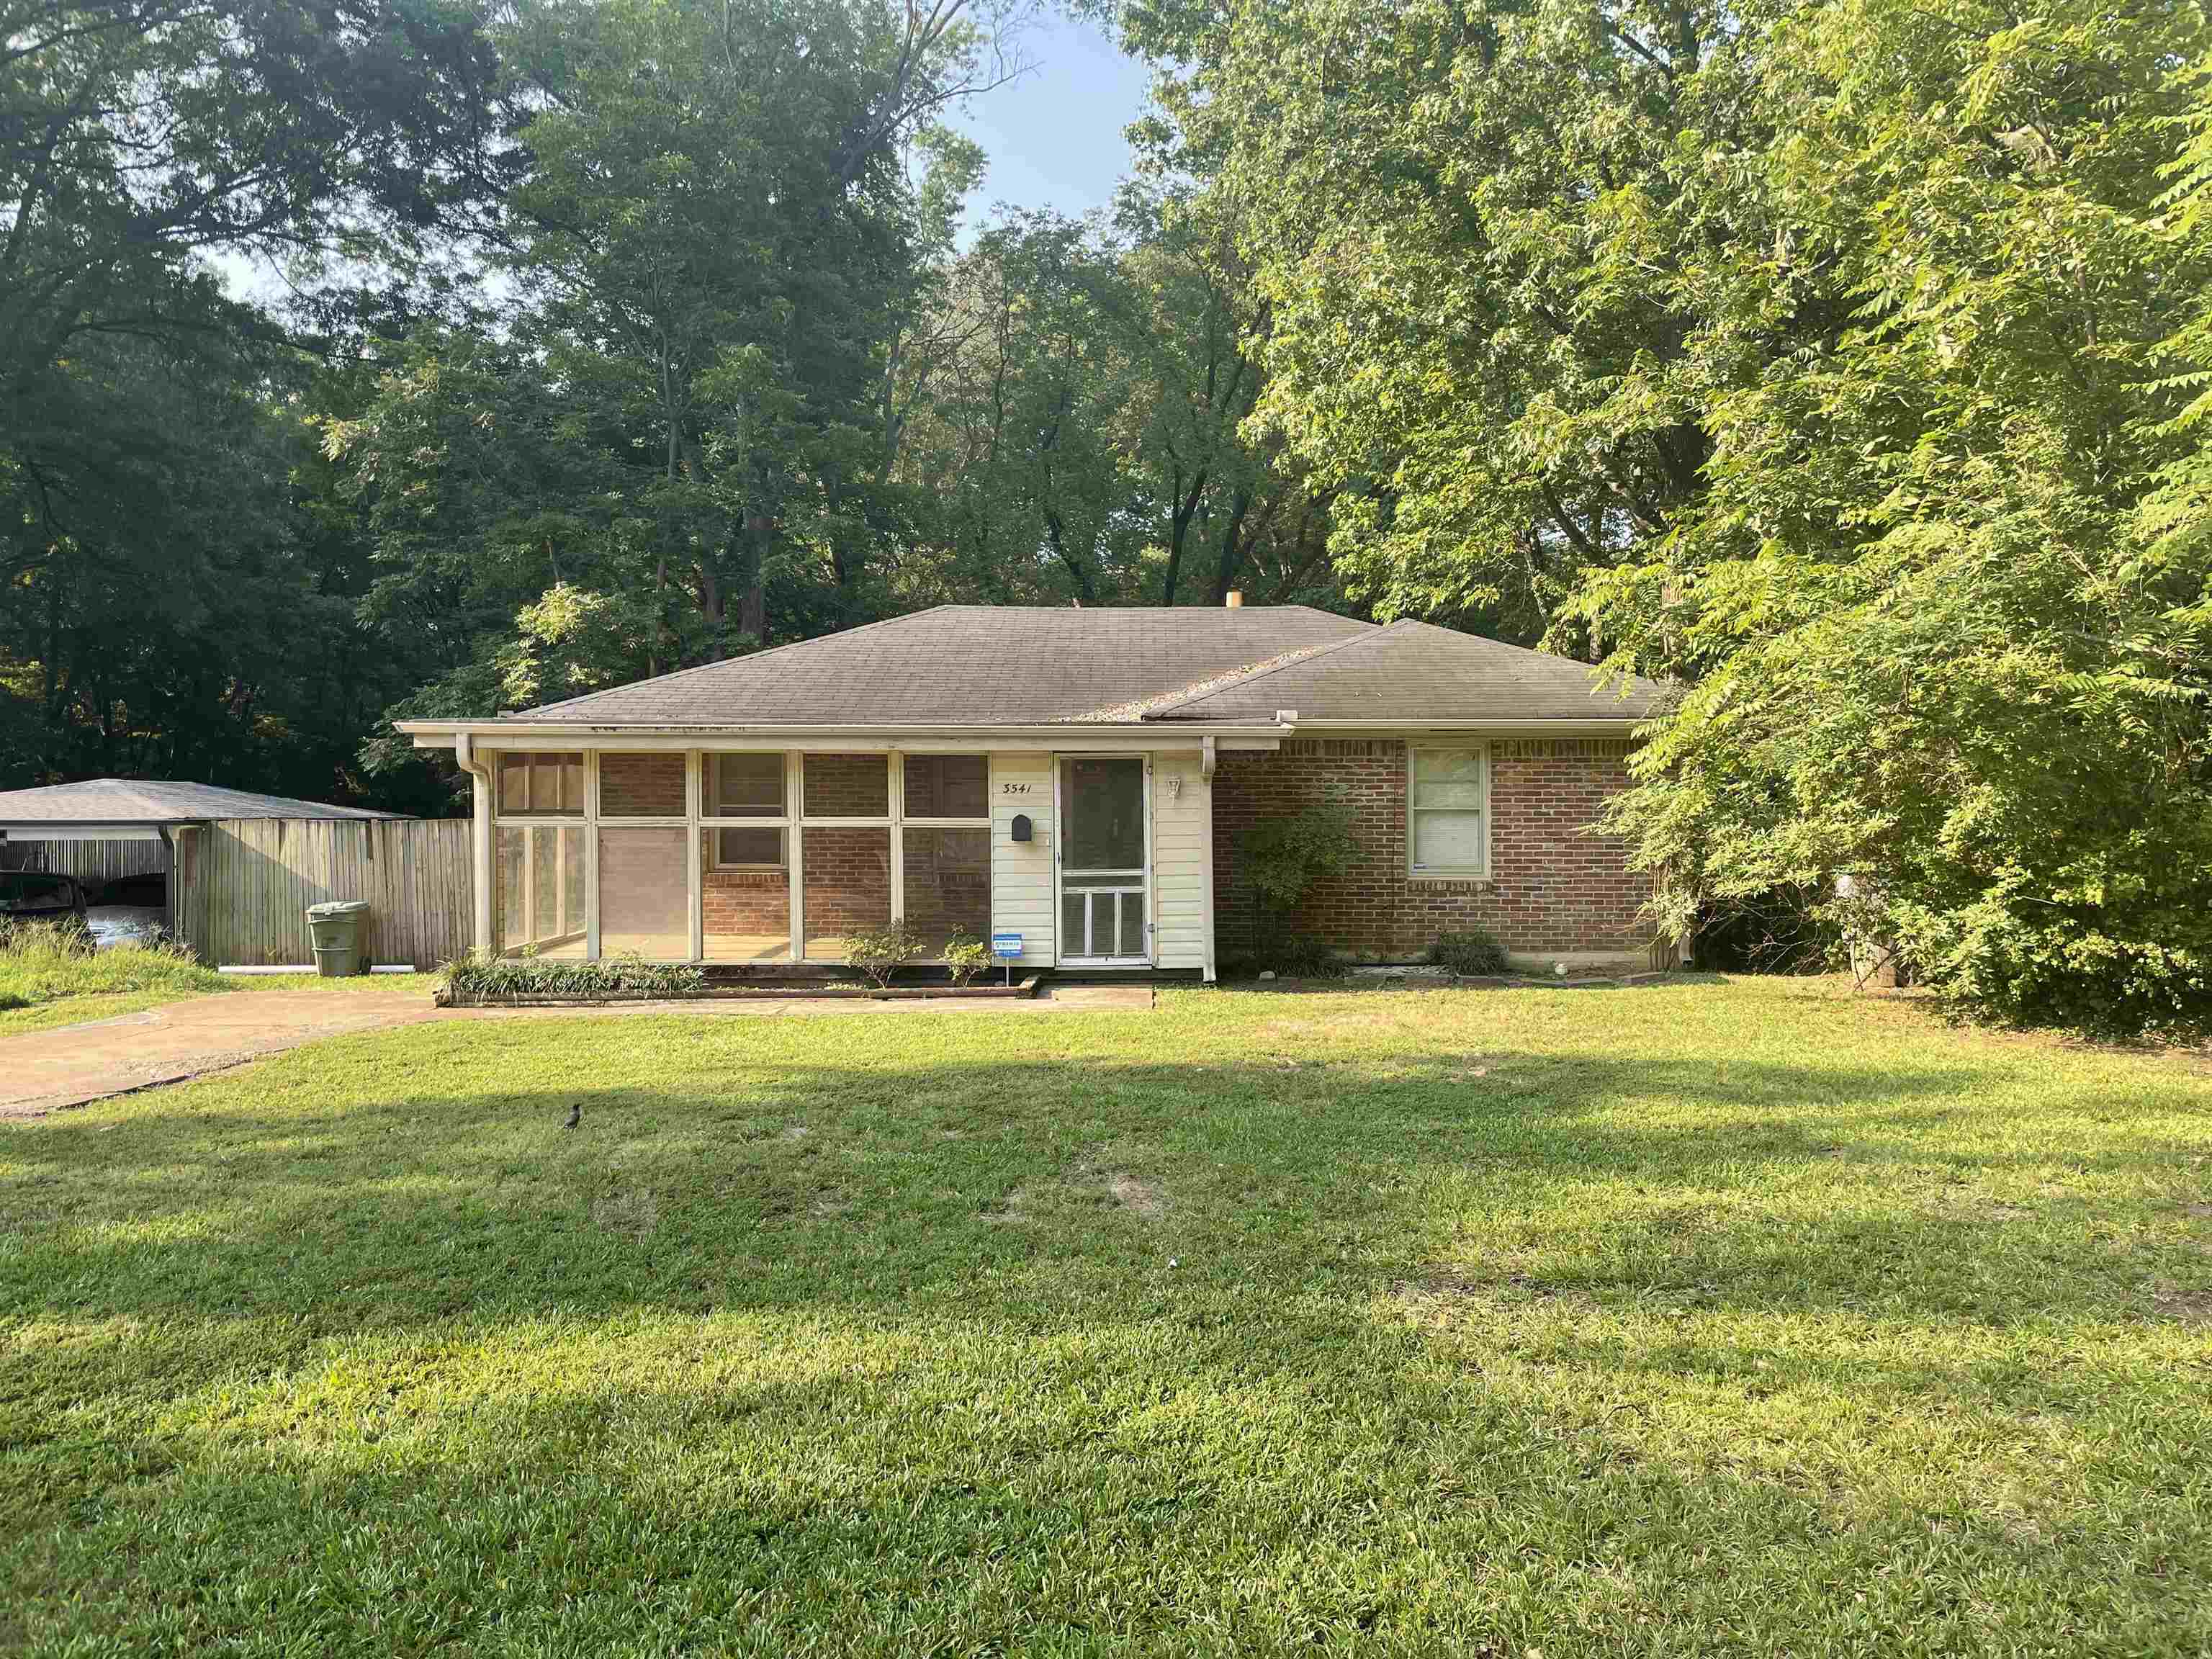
948	885
1447	809
945	846
541	786
539	873
746	786
744	848
644	899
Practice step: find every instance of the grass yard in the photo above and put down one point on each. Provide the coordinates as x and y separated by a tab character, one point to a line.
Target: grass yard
46	982
1738	1318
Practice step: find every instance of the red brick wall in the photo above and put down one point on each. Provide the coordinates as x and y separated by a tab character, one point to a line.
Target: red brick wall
745	901
1551	888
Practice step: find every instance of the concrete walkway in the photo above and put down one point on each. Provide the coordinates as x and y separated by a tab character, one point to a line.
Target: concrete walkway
65	1065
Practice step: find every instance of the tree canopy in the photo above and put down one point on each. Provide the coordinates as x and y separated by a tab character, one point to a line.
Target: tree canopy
1842	364
1846	364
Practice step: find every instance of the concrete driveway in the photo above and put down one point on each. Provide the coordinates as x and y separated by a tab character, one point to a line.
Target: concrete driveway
43	1071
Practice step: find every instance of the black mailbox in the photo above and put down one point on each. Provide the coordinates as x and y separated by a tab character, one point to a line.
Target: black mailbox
1021	826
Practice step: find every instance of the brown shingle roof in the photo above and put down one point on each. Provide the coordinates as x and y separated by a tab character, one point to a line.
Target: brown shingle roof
965	665
145	800
1411	672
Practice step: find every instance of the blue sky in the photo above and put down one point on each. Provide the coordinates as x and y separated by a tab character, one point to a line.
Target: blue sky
1054	136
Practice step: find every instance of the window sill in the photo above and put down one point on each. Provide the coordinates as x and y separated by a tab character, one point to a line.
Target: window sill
1450	879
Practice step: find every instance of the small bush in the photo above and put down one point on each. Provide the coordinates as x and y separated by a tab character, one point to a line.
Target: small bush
470	979
966	958
881	953
1472	952
1297	957
1284	856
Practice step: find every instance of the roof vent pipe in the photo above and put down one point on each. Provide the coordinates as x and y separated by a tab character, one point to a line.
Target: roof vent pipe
1235	599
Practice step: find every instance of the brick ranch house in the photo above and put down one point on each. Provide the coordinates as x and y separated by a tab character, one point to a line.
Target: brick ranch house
1084	778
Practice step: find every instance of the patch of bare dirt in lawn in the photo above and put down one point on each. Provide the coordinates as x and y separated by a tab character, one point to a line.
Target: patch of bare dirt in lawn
633	1214
1134	1195
1100	1174
1013	1207
2185	1307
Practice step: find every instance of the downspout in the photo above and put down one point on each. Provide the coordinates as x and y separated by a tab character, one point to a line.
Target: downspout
480	855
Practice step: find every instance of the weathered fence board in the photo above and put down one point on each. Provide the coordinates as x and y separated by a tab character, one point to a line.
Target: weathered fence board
92	862
244	886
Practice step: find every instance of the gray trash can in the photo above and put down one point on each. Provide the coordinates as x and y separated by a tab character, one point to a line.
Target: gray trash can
336	929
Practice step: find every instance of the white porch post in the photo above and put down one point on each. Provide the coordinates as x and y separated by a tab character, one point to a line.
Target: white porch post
896	797
1205	860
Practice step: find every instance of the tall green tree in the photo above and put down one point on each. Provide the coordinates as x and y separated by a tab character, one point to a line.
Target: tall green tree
165	597
1834	361
681	442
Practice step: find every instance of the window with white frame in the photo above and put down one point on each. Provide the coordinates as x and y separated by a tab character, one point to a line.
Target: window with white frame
746	785
1448	811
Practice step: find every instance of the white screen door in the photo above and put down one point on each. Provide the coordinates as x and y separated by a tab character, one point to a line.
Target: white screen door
1105	908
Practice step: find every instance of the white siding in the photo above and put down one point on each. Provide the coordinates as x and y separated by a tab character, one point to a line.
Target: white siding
1021	871
1179	860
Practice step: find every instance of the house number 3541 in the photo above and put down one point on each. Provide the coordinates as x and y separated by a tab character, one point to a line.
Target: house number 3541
1016	789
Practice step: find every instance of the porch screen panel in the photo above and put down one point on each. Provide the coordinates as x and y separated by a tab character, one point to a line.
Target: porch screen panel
745	903
511	905
544	884
847	786
541	786
644	899
642	787
845	883
948	786
539	907
948	885
573	846
1102	814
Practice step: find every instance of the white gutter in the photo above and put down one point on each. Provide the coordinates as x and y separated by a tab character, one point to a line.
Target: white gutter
1074	732
480	841
1617	724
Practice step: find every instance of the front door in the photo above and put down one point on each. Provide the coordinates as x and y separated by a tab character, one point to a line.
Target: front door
1105	862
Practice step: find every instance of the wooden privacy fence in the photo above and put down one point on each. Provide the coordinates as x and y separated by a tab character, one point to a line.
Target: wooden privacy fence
242	887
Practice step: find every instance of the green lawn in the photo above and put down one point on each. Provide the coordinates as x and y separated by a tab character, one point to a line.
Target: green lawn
106	1005
1732	1318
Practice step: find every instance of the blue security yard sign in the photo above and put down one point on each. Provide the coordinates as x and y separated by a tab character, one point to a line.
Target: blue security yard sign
1006	947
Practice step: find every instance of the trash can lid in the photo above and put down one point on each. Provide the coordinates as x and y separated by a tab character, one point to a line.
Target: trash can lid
337	908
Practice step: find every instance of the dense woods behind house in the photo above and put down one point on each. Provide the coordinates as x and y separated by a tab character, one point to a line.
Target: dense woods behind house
1847	364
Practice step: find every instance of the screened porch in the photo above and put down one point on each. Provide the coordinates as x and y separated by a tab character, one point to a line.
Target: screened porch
735	856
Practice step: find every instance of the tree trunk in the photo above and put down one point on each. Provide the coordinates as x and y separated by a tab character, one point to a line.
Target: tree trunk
1233	551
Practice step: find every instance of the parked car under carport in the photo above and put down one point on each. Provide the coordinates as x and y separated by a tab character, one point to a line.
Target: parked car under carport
129	910
35	895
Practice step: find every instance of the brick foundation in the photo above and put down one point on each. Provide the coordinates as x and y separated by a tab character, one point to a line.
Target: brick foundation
745	901
1552	890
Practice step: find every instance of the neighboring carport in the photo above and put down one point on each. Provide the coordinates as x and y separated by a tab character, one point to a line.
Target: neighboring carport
104	828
